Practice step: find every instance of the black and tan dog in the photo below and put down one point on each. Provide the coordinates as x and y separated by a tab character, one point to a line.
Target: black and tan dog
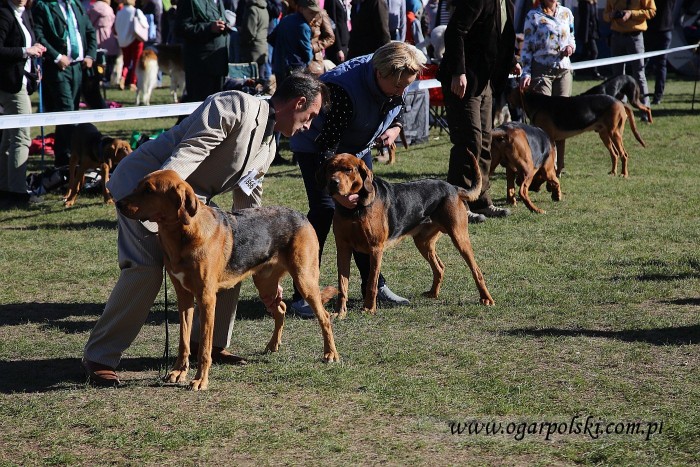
529	158
563	117
207	250
619	87
385	213
90	149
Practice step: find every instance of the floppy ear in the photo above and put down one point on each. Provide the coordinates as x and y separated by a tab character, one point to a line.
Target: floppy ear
367	186
189	205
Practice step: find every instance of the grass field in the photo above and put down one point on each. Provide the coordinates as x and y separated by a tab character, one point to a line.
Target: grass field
596	322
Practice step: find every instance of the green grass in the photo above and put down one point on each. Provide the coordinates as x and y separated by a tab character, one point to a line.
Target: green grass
596	315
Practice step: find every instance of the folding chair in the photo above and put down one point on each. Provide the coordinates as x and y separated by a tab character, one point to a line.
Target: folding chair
437	105
243	70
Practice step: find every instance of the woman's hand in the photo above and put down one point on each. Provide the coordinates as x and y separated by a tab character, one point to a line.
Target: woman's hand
37	50
388	137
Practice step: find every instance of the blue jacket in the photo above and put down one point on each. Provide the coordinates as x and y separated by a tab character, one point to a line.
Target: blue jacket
373	111
291	40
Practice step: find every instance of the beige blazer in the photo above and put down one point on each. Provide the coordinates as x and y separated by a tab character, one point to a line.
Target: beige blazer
227	136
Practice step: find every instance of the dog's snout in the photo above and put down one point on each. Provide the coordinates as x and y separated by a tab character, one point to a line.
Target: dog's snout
333	184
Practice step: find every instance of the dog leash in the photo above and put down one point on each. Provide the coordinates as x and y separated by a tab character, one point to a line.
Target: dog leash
166	351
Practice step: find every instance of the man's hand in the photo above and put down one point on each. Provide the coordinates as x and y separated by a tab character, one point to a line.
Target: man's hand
87	63
459	85
63	63
626	14
218	26
524	82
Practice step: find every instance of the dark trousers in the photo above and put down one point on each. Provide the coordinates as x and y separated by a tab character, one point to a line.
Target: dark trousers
657	40
321	209
200	85
470	123
61	93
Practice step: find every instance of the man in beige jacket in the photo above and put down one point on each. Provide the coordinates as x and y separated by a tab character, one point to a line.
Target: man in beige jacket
226	138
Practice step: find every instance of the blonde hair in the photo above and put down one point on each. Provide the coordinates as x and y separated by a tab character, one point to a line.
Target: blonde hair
397	59
130	2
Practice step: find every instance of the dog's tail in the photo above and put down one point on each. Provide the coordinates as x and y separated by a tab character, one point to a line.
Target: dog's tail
472	194
633	125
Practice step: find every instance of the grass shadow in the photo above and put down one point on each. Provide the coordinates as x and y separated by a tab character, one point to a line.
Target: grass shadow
96	224
681	335
57	374
53	315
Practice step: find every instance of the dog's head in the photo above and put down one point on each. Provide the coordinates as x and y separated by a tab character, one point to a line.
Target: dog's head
345	175
115	151
162	197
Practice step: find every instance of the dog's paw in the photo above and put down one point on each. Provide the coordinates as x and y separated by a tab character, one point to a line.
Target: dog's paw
272	347
487	301
430	294
330	357
199	384
176	376
371	311
68	203
109	201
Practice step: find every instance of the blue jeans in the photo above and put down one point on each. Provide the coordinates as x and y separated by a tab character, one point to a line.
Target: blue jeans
321	209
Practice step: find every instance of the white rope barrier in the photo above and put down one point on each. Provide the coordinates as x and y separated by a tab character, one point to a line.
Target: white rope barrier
174	110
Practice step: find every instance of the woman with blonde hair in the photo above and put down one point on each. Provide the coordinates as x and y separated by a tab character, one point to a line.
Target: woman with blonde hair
367	105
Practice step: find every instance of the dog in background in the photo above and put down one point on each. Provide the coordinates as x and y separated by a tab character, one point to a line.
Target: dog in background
563	117
207	250
436	41
529	158
146	76
387	154
90	149
387	212
170	62
622	86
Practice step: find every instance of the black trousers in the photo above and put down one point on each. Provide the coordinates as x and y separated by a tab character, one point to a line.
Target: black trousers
470	122
60	93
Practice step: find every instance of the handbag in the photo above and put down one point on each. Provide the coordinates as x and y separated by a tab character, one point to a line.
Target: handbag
140	30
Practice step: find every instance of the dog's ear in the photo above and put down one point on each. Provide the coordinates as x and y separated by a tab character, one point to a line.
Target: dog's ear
189	205
367	186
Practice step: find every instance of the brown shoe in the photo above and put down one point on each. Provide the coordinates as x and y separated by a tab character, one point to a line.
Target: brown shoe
100	375
219	355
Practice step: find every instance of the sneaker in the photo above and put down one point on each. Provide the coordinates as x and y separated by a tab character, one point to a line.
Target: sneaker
387	297
476	218
644	118
656	101
302	309
493	211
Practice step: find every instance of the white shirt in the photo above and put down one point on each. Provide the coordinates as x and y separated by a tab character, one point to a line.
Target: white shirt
27	39
81	52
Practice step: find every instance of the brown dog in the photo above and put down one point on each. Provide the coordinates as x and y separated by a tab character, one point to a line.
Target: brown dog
206	250
528	156
388	154
90	149
564	117
385	213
